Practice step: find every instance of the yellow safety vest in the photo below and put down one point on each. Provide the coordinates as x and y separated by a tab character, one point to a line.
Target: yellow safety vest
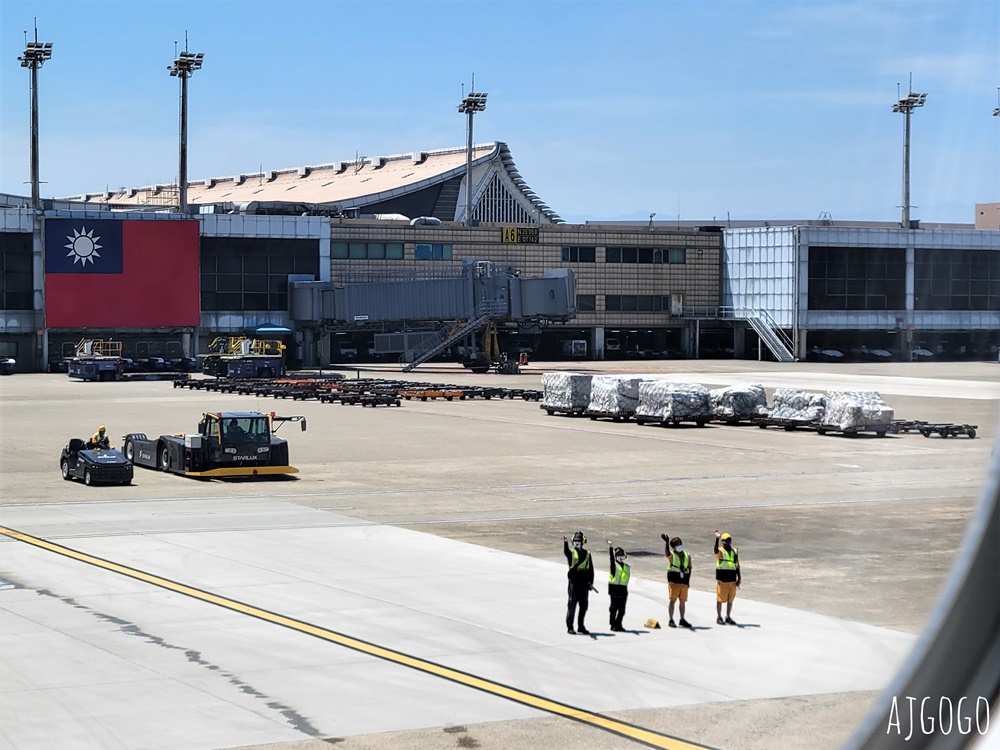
622	573
728	559
579	564
679	562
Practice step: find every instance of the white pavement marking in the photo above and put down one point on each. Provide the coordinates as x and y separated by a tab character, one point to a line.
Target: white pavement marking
92	659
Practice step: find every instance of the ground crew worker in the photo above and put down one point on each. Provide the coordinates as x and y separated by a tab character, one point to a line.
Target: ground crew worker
581	582
618	575
235	430
678	576
100	439
727	576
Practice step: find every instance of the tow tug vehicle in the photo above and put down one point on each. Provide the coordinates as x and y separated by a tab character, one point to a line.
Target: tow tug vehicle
227	444
94	464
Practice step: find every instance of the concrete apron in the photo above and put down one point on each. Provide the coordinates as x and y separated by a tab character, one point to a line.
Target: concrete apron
95	659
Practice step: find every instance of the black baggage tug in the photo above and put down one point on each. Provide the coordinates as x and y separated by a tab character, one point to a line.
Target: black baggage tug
227	444
81	460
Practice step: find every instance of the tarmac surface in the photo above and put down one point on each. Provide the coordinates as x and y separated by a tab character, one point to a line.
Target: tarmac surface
407	588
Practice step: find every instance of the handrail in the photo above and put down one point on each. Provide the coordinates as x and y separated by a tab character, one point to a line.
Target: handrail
483	311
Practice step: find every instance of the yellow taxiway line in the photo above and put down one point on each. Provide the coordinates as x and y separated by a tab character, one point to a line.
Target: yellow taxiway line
624	729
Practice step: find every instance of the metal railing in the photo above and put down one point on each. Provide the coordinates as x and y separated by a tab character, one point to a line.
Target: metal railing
762	322
449	334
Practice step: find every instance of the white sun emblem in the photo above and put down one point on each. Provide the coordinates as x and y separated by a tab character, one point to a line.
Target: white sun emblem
83	246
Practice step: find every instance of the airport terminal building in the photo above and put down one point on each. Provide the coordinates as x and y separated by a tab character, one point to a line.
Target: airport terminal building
125	265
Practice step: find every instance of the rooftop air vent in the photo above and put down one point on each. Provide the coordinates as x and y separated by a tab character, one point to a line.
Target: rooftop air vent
377	162
304	171
418	157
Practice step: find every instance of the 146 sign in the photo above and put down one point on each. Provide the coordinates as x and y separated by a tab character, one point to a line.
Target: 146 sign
520	235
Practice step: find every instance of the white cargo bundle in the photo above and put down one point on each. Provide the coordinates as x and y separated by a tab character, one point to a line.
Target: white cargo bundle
614	394
798	406
663	400
566	391
745	401
848	410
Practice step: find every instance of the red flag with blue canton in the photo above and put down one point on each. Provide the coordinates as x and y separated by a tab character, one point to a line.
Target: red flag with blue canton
106	273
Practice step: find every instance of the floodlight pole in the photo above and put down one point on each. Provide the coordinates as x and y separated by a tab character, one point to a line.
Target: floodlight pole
906	105
184	65
474	102
35	55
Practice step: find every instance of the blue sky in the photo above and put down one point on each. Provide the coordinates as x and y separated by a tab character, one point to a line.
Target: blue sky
612	109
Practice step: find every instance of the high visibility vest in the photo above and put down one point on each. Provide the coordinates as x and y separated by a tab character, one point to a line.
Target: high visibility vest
622	573
578	563
98	438
728	559
680	562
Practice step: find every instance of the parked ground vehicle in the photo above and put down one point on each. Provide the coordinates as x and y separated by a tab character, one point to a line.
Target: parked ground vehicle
242	357
96	359
94	465
7	365
227	444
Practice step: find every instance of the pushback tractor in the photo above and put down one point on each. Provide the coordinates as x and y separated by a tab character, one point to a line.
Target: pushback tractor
227	444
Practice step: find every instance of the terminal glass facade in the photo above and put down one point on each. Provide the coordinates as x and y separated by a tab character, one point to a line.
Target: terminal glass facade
251	273
956	280
860	278
16	287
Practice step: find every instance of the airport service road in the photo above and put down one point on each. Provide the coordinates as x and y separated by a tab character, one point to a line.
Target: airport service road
98	659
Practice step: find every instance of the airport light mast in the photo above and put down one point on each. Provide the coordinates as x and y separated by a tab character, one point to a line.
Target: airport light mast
474	102
35	55
906	105
185	64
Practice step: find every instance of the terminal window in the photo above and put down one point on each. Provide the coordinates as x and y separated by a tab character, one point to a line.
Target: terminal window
431	252
574	254
654	255
366	250
956	280
636	303
251	273
864	278
16	286
586	302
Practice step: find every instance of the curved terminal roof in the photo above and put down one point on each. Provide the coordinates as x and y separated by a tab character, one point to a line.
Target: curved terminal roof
376	183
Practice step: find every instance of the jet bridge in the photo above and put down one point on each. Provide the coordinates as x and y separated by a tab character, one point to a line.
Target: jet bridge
421	312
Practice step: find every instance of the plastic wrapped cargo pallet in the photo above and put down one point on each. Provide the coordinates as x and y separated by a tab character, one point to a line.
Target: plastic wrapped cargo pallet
666	400
614	394
798	406
738	402
847	410
566	391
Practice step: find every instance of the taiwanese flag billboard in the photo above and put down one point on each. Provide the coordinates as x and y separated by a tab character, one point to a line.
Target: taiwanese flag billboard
103	273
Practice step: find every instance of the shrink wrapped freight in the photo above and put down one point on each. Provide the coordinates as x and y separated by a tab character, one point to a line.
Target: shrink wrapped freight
614	394
738	402
566	391
798	406
663	400
847	410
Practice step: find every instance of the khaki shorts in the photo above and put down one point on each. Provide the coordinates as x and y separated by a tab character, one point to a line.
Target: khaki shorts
725	592
678	591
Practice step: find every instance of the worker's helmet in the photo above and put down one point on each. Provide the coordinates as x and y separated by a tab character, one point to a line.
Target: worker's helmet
726	536
579	538
101	428
676	542
620	553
